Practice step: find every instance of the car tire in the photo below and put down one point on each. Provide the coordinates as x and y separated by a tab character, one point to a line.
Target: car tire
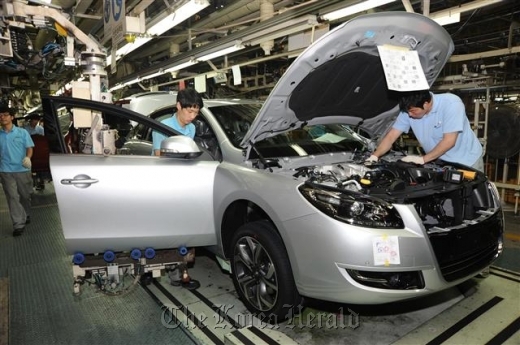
263	281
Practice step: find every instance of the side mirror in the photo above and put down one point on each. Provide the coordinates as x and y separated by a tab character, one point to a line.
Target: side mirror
180	146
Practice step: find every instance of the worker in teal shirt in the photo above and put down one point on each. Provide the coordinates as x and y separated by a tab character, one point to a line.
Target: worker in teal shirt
440	124
16	149
32	124
189	103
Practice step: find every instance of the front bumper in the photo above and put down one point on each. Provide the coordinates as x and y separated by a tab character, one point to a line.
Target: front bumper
325	255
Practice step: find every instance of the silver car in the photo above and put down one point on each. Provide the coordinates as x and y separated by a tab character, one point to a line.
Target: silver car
278	190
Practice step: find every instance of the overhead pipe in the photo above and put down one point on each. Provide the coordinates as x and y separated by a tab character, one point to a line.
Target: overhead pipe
408	6
426	8
266	12
514	25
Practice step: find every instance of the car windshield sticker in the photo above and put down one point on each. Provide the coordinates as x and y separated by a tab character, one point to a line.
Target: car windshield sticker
403	70
386	250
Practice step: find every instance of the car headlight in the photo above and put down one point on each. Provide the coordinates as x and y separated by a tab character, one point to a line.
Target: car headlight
352	207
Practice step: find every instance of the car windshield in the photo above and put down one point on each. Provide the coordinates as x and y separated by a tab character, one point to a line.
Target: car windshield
310	140
236	120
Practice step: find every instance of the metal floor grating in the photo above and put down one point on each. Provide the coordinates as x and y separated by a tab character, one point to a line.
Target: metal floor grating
42	307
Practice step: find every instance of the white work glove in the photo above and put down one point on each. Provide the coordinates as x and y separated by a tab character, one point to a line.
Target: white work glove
371	160
413	159
27	163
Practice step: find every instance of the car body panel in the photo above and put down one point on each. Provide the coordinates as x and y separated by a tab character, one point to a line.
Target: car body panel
341	74
147	102
127	224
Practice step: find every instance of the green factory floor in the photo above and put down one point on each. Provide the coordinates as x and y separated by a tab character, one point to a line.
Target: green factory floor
42	308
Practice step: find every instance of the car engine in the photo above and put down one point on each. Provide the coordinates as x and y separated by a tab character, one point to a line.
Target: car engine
443	194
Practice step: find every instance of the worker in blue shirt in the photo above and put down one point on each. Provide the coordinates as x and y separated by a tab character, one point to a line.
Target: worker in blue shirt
16	149
440	124
32	124
189	103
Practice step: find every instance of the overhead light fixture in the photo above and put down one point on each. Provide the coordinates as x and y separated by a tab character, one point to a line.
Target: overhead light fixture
221	52
449	19
153	75
452	15
352	9
133	81
161	25
179	15
286	28
130	47
117	87
180	66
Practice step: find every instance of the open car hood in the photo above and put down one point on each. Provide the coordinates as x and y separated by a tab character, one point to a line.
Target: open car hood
340	77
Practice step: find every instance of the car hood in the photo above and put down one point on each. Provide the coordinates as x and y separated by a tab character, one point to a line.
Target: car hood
340	77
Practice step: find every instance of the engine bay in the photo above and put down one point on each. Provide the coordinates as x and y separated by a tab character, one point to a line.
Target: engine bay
443	194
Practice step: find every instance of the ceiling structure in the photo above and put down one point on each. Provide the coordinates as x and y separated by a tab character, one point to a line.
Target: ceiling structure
487	44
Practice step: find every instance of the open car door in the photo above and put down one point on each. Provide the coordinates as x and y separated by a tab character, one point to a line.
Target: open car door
120	202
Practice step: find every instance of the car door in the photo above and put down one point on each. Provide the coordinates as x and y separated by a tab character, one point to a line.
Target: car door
120	202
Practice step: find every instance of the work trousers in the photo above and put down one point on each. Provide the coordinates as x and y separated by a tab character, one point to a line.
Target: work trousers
18	190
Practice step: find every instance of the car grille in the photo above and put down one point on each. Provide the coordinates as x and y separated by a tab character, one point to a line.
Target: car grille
461	252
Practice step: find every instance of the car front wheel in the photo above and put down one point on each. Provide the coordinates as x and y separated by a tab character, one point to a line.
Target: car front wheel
262	273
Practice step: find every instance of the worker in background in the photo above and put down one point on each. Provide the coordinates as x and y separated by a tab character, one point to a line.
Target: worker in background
16	149
189	103
32	124
440	124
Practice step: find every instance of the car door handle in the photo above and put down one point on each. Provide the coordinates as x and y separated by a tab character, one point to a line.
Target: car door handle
79	181
73	181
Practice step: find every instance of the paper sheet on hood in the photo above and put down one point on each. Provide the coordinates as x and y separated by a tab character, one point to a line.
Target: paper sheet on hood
403	70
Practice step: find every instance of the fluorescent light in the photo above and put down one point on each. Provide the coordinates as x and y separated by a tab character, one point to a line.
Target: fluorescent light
162	25
221	52
153	75
452	15
180	66
352	9
449	19
470	6
286	28
179	15
133	81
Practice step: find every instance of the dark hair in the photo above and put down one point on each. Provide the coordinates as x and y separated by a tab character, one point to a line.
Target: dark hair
189	98
33	116
414	99
5	109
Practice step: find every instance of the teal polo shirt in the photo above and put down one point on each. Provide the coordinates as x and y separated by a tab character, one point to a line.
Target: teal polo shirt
188	130
13	149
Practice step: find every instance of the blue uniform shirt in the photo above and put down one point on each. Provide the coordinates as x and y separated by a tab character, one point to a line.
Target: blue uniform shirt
13	148
188	130
36	130
446	116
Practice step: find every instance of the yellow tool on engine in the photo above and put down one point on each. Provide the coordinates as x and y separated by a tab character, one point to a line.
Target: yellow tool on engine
365	182
468	175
